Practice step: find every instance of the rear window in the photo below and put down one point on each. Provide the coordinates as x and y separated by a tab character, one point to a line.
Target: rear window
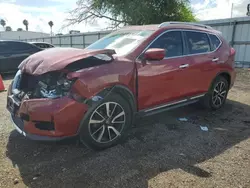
197	42
43	45
215	42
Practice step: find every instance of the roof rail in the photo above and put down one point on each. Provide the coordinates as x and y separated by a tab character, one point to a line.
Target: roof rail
164	24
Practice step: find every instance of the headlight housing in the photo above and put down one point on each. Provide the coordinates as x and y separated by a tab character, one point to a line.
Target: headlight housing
61	88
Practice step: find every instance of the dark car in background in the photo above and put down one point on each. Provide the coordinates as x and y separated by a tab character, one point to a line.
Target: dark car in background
12	53
42	45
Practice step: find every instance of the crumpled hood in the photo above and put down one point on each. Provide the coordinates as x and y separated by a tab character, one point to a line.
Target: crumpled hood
56	59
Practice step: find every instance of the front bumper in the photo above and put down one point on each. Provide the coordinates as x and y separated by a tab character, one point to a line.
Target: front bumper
19	125
65	114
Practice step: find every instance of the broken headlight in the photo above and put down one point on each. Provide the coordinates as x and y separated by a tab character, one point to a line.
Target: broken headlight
59	89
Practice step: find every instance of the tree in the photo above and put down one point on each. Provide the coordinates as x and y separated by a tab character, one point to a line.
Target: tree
26	23
131	12
3	23
20	29
51	25
8	28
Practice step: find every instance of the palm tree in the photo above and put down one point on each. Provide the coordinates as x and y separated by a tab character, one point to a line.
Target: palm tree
20	29
51	25
26	23
8	28
3	22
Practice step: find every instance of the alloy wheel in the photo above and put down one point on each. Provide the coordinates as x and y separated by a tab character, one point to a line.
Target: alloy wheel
219	94
106	122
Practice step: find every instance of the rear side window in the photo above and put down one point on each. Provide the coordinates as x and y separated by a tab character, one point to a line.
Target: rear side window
215	42
197	42
171	42
43	45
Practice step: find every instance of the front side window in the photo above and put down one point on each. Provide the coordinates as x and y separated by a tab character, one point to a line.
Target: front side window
171	42
197	42
122	42
215	42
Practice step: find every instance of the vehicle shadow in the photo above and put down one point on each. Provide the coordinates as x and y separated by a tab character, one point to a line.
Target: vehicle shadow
157	144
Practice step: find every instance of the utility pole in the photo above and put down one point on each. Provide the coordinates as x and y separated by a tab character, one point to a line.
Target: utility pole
248	10
232	8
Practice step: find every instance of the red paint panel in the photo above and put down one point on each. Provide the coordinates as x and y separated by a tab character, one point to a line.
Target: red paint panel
64	112
93	80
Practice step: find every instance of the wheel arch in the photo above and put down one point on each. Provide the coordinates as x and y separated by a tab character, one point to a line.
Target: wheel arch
127	94
225	75
124	91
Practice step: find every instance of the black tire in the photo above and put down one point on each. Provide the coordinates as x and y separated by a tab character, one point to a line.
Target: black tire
209	99
85	130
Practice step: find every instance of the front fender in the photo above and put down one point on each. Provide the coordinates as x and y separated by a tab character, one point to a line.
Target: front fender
93	80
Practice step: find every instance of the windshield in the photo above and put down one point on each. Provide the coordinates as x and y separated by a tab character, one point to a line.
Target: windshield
122	42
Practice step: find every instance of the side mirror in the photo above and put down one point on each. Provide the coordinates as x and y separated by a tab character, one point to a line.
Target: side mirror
154	54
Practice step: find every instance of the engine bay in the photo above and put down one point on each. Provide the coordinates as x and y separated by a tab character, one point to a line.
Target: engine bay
49	85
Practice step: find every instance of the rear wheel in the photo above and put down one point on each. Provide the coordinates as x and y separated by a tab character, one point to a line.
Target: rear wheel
107	124
217	94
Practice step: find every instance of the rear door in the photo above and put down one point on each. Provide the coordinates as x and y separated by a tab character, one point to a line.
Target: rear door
202	61
168	80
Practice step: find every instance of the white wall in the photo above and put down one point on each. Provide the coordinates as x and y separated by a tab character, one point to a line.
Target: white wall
20	35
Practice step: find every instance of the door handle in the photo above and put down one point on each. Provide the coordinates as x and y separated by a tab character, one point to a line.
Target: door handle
215	59
184	66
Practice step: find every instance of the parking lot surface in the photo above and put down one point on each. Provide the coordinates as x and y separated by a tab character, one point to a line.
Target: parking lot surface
161	151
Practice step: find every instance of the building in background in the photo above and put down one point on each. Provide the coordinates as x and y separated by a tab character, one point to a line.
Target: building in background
21	35
74	32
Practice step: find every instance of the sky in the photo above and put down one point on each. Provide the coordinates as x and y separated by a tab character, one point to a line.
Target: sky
39	13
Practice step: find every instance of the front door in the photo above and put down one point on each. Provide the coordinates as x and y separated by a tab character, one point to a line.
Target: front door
161	82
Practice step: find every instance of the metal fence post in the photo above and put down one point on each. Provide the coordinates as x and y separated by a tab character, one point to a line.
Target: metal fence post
50	40
83	40
233	33
99	36
71	41
43	39
60	42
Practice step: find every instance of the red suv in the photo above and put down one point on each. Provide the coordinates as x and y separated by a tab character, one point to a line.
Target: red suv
96	93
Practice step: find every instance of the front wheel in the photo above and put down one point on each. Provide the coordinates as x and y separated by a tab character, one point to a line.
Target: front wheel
217	95
107	124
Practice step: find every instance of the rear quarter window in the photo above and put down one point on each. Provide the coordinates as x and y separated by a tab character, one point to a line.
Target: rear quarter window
215	41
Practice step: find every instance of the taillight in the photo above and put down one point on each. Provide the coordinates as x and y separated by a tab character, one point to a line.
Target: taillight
232	52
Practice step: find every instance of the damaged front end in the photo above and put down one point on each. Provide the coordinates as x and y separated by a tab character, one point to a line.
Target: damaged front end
42	107
44	102
50	85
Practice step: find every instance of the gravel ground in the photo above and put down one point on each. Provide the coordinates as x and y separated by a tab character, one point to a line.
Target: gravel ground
160	151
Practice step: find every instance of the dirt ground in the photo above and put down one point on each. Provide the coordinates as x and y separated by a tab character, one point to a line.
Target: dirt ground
161	151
